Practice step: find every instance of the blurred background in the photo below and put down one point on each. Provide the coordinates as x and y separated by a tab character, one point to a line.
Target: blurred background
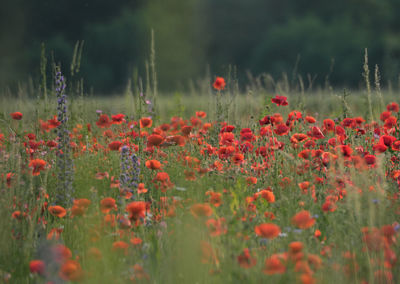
314	38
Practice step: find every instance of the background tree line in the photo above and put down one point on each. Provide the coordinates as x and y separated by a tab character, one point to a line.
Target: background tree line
192	36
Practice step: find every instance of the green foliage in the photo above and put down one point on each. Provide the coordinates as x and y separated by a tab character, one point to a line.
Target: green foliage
314	41
190	36
112	49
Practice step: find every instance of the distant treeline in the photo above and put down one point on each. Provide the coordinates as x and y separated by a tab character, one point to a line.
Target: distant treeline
325	39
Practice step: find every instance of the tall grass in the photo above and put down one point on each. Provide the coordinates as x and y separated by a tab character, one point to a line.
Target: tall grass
203	215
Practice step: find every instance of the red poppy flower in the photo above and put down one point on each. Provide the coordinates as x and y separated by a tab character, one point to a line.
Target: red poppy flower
37	165
370	160
16	115
146	122
246	260
136	241
238	158
219	83
57	211
195	121
9	177
304	185
309	144
44	125
268	195
316	133
348	122
269	215
120	246
201	114
102	175
141	189
225	152
162	177
266	120
162	181
340	130
154	140
274	265
280	100
389	233
305	154
136	210
17	215
267	230
310	119
329	125
359	120
281	130
298	137
217	227
251	180
190	175
51	144
186	130
107	204
165	127
173	140
104	121
54	233
215	198
227	138
71	271
153	165
306	277
53	123
108	133
77	210
385	115
201	210
227	128
303	220
387	140
345	150
379	148
115	145
295	247
37	266
390	122
118	118
329	206
396	145
393	107
110	220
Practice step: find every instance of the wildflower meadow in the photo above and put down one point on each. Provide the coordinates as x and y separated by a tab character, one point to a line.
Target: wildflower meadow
223	186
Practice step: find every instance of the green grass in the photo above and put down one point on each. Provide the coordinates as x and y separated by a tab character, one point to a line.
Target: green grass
171	251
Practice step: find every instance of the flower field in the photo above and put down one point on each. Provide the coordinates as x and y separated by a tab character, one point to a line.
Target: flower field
285	197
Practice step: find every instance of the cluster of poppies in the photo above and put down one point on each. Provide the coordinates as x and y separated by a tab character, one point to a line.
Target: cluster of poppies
256	170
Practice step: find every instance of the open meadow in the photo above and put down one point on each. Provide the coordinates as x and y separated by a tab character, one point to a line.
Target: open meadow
200	141
217	185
